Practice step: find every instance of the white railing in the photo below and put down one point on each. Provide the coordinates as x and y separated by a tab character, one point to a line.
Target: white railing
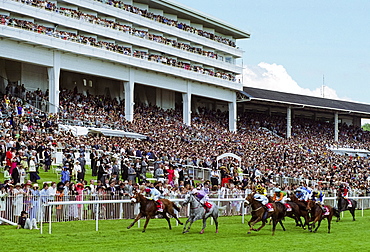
103	207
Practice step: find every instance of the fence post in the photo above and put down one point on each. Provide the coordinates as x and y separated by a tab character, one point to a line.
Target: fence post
49	219
97	217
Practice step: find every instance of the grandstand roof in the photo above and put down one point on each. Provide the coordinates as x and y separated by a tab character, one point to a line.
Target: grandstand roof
264	95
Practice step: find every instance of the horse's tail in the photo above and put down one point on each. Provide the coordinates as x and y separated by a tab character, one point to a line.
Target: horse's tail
336	212
222	208
176	207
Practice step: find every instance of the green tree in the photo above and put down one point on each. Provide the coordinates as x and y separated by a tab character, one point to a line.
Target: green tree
366	127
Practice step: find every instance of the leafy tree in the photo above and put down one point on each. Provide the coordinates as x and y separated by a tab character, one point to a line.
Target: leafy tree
366	127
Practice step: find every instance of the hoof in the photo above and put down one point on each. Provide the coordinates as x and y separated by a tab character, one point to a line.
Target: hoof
181	223
143	231
216	231
201	232
249	232
128	227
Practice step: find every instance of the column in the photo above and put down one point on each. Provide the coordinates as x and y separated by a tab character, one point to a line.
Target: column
129	96
336	130
54	75
232	114
289	122
186	106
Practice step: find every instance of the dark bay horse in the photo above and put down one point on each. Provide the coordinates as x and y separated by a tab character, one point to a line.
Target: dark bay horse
343	205
198	212
148	209
318	215
260	213
301	211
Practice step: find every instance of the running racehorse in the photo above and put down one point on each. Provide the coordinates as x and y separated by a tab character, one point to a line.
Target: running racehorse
148	209
317	214
302	209
344	205
198	212
260	213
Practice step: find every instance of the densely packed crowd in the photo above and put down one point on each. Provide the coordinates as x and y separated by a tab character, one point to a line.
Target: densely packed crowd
113	47
118	4
30	138
122	28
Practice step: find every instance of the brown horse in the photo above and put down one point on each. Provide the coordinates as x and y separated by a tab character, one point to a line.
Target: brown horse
260	213
301	211
317	214
148	209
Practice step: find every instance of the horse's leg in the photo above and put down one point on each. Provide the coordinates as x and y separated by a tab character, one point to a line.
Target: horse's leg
263	224
186	223
329	223
167	219
274	222
191	223
251	224
281	224
136	219
146	223
172	213
215	219
204	225
338	218
352	211
318	220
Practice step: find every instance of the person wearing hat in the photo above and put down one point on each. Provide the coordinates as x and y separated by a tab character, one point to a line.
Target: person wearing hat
94	157
77	171
3	195
25	222
32	169
35	193
278	195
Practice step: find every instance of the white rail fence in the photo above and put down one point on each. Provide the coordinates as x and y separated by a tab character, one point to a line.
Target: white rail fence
97	209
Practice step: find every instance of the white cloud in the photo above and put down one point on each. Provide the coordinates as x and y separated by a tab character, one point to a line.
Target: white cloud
275	77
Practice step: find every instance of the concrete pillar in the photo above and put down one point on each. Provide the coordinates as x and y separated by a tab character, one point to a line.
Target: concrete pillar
289	122
129	96
233	114
186	106
336	131
54	76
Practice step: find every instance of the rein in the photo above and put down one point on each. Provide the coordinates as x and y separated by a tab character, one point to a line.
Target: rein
254	210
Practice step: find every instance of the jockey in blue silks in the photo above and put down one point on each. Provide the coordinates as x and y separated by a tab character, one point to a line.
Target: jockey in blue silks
155	195
302	195
318	197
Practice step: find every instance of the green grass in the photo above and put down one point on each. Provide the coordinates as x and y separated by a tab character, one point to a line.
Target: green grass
346	235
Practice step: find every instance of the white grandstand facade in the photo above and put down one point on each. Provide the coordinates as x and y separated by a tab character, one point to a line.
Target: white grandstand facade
154	51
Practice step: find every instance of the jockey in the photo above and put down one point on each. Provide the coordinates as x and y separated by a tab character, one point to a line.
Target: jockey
278	195
302	195
202	196
263	199
261	190
343	190
308	191
318	197
155	195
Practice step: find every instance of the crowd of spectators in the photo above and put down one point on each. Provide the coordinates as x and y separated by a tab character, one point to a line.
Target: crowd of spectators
30	138
110	46
122	28
119	4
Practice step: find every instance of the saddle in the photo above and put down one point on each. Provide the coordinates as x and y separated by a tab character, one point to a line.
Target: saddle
207	206
349	202
270	207
288	207
326	210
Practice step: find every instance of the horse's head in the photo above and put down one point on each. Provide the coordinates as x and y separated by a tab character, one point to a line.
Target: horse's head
187	199
248	200
135	198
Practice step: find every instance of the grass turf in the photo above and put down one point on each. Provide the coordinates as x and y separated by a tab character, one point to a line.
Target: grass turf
345	235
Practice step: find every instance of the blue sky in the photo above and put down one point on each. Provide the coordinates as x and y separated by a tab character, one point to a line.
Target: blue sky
297	42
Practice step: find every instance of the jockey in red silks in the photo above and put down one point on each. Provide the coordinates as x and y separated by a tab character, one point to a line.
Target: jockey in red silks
344	192
155	195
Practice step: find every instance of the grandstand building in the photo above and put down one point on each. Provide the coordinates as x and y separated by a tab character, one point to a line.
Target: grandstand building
151	51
